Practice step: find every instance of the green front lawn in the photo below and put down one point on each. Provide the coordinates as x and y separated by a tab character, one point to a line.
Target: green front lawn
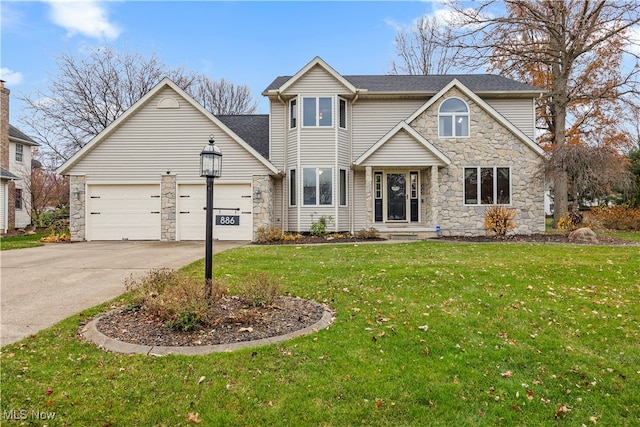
426	333
19	242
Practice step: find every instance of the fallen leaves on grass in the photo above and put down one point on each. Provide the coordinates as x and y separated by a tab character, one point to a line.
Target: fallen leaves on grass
194	418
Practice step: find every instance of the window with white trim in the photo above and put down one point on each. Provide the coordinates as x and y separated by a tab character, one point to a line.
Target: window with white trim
19	152
343	187
317	186
293	114
293	188
342	113
487	186
453	119
317	112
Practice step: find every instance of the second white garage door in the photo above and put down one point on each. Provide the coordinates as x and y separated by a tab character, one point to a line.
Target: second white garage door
123	212
233	212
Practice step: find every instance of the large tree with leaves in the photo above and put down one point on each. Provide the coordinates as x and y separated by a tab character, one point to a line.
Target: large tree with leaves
91	91
572	48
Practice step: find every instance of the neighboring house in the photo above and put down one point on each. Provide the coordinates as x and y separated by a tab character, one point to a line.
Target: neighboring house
15	175
407	155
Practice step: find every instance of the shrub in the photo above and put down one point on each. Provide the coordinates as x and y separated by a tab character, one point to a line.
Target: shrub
268	234
570	221
319	227
178	300
616	218
371	233
498	220
260	289
292	236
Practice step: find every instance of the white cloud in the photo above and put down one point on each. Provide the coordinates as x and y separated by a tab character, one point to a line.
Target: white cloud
86	17
12	78
634	36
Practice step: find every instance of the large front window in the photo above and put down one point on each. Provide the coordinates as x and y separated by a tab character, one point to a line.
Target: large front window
317	112
487	186
317	186
453	119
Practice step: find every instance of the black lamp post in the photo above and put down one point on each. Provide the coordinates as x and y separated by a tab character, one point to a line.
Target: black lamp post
210	167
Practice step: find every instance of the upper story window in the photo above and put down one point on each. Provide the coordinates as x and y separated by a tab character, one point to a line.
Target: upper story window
293	114
317	112
342	113
19	152
453	119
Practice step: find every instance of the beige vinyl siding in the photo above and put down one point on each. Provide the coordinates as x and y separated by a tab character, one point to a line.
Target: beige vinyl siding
520	112
277	133
154	141
402	150
317	147
359	202
278	189
317	81
372	119
4	205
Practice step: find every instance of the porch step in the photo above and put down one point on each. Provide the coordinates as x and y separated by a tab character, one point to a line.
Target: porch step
403	236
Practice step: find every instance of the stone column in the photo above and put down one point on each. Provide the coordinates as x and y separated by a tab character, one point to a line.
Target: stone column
168	208
77	212
435	196
263	201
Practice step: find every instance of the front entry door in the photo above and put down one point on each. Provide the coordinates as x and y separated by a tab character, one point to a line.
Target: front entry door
396	197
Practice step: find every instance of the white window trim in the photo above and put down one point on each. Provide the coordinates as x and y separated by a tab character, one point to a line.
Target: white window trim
333	192
19	151
346	187
293	190
495	186
317	125
453	115
346	114
297	111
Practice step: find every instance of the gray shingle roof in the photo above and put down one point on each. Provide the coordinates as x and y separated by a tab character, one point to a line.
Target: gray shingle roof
427	84
253	129
5	174
16	133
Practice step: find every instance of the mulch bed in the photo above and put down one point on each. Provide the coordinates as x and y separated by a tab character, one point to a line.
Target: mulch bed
541	238
233	321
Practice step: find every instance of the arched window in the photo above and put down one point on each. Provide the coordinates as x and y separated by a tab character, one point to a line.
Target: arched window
453	119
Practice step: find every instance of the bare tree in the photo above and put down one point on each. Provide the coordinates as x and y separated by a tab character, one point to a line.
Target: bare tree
90	92
572	48
594	172
223	97
425	48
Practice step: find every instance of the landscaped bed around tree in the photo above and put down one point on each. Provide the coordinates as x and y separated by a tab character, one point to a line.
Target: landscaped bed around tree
433	333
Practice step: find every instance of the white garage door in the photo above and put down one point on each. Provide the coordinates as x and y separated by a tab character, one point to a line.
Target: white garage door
123	212
233	212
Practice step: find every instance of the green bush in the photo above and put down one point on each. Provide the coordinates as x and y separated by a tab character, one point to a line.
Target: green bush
260	289
498	220
319	227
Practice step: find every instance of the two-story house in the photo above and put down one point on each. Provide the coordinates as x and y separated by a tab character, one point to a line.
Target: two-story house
407	155
15	170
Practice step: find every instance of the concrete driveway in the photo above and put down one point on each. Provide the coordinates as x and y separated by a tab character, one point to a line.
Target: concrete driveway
44	285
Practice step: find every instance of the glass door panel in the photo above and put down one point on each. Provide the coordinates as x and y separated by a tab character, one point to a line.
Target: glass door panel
396	197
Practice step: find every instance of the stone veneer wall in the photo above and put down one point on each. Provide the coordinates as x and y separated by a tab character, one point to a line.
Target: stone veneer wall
489	144
263	214
77	222
168	208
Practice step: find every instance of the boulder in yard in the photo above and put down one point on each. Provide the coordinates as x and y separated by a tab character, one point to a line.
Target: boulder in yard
583	235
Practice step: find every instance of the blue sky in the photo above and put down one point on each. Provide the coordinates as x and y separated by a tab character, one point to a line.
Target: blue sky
248	43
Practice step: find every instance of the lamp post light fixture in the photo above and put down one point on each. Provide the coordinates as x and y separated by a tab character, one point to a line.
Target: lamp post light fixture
210	167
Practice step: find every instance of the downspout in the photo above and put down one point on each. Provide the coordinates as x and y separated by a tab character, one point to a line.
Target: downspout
352	183
284	214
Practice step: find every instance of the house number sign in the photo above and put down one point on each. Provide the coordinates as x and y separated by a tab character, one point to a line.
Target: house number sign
227	219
